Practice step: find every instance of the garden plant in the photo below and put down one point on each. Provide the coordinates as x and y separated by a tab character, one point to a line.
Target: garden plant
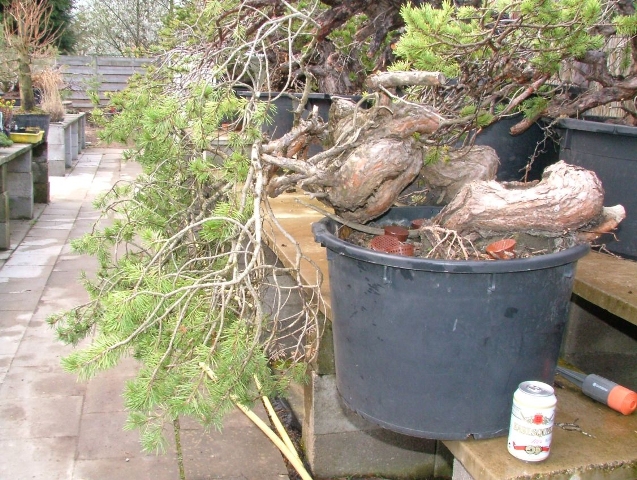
27	37
185	284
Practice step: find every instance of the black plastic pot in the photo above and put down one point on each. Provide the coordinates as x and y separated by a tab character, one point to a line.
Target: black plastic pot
434	348
611	152
40	120
282	113
515	152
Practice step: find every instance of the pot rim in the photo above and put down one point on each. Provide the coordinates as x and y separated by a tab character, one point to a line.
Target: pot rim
324	230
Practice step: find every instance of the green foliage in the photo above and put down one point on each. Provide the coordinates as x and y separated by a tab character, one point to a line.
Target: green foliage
626	24
119	27
60	21
181	269
421	43
501	56
436	154
534	106
450	39
484	118
345	41
5	141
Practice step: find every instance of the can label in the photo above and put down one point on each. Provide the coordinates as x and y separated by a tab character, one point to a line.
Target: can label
532	418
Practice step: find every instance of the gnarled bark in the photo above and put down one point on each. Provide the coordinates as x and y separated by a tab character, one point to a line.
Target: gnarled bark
568	198
446	177
372	156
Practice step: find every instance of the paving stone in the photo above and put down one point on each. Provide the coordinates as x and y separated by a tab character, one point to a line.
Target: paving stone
21	271
104	393
102	435
35	350
40	381
244	450
57	297
37	417
66	224
31	259
73	262
161	467
18	300
41	246
63	216
5	363
12	327
39	233
53	426
62	211
37	458
22	285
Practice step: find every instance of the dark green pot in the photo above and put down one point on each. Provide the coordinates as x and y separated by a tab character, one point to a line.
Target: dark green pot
40	120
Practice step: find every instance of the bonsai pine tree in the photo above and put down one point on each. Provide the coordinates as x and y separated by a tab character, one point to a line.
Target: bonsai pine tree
185	285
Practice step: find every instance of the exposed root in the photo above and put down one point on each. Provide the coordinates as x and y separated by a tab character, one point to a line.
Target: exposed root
439	242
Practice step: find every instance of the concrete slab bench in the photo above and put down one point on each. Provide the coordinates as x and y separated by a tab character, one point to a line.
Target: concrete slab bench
66	140
16	187
339	443
609	282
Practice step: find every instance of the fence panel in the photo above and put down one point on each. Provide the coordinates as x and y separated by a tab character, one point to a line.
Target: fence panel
99	74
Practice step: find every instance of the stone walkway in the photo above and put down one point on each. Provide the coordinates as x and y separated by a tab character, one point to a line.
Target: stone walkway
53	426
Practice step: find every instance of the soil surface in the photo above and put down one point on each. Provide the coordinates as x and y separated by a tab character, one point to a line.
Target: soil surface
437	243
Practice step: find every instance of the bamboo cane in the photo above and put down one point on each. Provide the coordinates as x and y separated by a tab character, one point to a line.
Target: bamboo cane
290	454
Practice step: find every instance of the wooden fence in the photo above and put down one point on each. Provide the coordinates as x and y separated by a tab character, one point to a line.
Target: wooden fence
99	74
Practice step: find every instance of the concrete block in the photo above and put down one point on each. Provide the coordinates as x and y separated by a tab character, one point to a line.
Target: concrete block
5	235
68	154
57	168
20	184
56	134
5	227
338	442
21	207
39	153
42	192
361	454
459	472
21	164
596	341
3	178
82	132
56	151
4	206
74	141
324	363
20	192
328	414
40	172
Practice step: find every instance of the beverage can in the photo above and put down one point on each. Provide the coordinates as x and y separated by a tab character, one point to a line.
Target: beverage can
532	418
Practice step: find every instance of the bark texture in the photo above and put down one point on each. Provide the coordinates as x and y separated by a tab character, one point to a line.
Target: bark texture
445	178
371	156
568	198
